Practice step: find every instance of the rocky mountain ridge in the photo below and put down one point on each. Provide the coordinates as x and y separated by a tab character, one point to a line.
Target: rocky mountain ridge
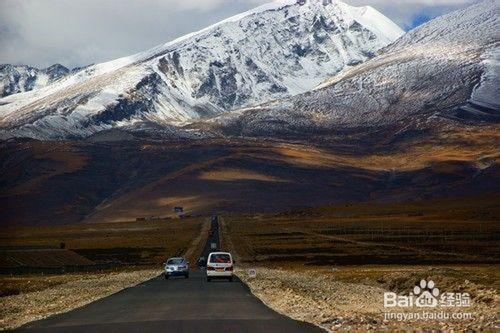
280	49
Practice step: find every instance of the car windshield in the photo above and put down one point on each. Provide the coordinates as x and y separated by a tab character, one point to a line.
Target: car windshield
221	258
175	261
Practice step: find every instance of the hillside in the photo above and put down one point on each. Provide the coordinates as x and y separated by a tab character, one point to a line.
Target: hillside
441	74
70	182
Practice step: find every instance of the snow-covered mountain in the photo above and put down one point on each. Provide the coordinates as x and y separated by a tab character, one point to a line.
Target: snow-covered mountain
447	68
280	49
15	79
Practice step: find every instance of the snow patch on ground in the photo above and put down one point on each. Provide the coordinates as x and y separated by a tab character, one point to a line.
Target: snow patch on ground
488	90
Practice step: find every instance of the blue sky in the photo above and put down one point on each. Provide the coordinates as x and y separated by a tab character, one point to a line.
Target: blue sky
426	13
418	19
80	32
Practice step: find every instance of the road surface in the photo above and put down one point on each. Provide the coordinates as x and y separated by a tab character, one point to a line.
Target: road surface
175	305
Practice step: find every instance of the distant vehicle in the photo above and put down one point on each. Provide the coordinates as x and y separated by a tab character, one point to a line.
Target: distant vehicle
202	262
220	265
213	246
176	267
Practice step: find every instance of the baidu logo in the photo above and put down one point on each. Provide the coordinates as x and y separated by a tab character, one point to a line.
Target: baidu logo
426	295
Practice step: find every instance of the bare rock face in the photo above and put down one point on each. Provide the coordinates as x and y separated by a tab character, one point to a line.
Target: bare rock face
275	51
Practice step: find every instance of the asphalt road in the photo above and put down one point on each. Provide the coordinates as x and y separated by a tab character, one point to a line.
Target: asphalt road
176	305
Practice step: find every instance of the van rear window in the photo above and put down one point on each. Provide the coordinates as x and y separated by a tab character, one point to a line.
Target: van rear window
220	258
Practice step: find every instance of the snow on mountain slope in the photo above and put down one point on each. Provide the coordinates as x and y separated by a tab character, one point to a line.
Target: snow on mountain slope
447	68
277	50
16	79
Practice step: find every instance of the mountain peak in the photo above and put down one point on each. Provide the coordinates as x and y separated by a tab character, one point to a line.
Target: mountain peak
21	78
277	50
443	73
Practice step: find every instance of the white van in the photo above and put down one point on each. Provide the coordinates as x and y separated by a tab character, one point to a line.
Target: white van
220	265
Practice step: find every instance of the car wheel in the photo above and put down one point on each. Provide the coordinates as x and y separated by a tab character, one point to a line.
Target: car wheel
209	279
166	277
186	276
230	279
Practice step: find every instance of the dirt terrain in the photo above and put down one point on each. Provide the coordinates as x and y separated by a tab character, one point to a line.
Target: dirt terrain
331	265
69	182
350	298
43	296
139	248
328	265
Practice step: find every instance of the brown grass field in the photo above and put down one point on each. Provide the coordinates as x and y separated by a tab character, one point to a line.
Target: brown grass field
135	243
331	265
134	246
328	265
449	231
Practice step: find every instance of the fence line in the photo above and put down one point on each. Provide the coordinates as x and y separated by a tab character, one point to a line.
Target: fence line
56	270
